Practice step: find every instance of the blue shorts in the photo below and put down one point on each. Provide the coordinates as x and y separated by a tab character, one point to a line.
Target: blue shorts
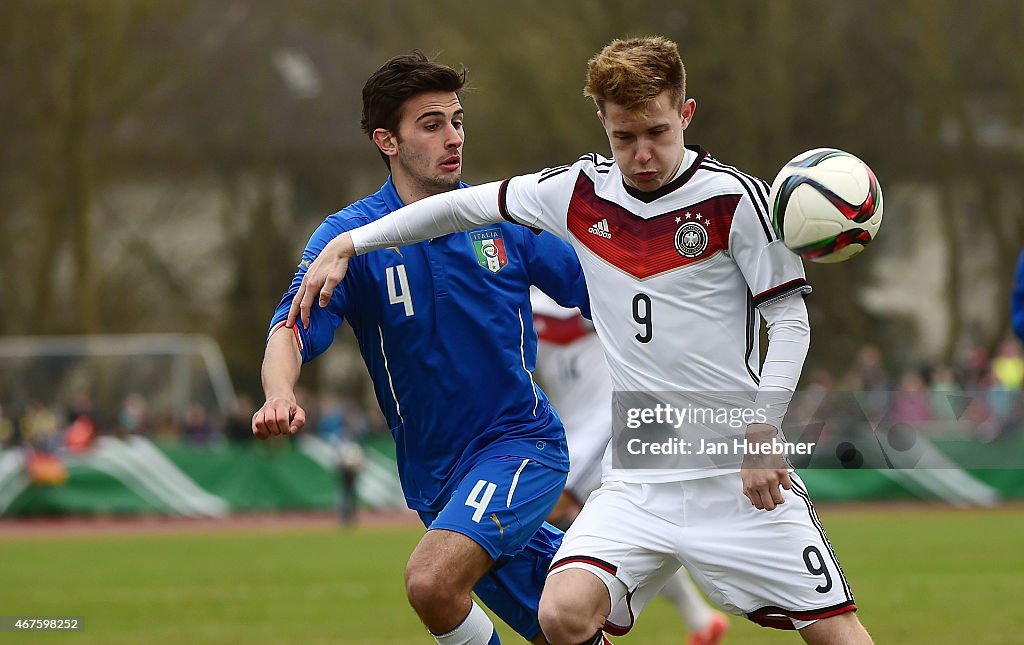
501	505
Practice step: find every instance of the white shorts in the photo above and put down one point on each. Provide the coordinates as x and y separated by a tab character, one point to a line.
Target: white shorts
777	567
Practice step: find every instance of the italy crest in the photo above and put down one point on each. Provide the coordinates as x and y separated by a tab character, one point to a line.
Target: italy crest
490	249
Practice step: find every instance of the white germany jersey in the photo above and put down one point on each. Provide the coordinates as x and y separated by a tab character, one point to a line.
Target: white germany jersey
675	275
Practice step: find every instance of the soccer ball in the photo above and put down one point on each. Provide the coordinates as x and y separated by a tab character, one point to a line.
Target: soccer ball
826	205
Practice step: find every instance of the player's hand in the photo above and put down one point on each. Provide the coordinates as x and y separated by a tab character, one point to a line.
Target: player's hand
763	474
321	278
280	415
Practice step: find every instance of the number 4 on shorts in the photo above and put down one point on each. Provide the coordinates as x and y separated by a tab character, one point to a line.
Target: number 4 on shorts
480	497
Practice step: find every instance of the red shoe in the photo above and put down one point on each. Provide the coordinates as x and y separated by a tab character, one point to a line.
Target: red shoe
713	634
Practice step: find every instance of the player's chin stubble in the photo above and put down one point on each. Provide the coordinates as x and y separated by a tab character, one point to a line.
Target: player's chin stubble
445	182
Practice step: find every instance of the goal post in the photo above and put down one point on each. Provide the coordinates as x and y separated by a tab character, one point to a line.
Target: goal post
175	369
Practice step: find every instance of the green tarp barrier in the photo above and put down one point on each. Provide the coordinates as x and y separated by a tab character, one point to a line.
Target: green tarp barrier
280	477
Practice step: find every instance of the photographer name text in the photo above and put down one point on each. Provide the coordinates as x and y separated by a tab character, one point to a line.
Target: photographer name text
703	447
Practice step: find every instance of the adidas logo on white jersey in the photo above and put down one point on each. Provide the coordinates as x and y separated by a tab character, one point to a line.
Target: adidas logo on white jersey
601	228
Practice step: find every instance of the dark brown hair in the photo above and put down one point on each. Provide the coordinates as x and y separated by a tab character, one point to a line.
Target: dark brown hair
397	80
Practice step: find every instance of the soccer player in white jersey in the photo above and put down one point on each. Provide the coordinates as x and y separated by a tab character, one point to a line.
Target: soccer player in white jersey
682	263
572	370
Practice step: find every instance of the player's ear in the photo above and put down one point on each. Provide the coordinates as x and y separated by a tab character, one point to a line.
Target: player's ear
686	112
600	117
386	141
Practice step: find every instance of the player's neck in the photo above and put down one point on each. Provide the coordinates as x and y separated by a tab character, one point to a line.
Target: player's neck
411	191
679	167
684	163
407	192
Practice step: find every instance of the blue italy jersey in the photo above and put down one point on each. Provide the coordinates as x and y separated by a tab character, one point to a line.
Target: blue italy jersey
446	331
1017	299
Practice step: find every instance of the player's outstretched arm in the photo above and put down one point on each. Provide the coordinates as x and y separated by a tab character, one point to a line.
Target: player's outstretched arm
456	210
282	363
788	340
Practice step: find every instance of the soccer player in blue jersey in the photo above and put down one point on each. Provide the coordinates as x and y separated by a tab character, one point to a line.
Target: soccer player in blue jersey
1017	303
445	329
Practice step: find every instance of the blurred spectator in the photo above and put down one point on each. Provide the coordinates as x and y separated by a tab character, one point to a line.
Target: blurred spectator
342	425
331	425
350	465
1008	366
40	427
1017	300
821	380
81	406
81	428
133	419
873	380
167	429
870	369
197	429
943	384
807	404
80	434
238	427
976	369
911	403
45	469
999	412
7	431
1003	392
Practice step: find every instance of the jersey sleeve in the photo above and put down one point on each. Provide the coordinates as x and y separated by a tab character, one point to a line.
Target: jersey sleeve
434	216
771	270
1017	305
540	200
554	268
323	321
789	337
773	273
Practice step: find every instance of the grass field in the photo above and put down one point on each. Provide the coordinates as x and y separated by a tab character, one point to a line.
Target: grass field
920	576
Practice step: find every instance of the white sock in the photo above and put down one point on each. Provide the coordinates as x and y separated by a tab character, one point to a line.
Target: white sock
684	596
475	629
